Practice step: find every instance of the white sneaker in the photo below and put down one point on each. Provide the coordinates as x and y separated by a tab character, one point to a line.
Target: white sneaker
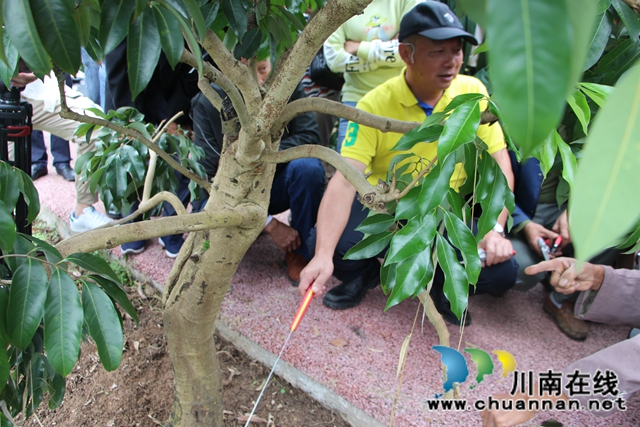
89	220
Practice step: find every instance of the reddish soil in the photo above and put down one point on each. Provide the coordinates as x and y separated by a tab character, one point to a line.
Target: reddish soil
140	391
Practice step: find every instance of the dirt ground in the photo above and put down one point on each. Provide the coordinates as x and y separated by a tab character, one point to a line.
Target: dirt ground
140	391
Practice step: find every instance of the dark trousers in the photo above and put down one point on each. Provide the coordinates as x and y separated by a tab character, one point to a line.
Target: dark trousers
494	279
59	149
299	186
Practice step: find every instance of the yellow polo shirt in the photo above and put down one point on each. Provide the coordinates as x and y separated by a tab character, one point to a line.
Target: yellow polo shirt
394	99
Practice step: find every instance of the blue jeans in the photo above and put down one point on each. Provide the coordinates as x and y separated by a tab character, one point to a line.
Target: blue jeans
342	127
495	279
59	149
94	78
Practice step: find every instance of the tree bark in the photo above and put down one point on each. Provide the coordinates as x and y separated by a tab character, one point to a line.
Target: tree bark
197	285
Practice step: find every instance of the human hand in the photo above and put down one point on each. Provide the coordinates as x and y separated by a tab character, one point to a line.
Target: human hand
497	248
23	79
533	231
283	235
502	418
561	227
316	273
564	277
351	47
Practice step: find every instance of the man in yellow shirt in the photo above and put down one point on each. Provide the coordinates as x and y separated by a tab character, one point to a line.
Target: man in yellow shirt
431	47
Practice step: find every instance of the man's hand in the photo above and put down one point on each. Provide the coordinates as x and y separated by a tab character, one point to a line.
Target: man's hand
532	231
564	277
351	47
501	418
562	228
498	248
285	236
23	79
316	273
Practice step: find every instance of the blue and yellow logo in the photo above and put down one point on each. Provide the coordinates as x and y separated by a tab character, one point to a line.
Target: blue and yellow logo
456	364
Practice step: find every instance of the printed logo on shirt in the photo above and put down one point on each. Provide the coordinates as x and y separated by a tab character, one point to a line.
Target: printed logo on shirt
352	134
377	30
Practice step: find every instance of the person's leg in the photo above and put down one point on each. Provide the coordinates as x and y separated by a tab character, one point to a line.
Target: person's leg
299	186
38	155
51	122
343	127
62	157
356	276
91	77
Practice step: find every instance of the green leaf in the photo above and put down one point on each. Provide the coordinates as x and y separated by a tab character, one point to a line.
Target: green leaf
56	388
546	153
26	302
471	157
597	93
36	382
388	278
291	17
583	16
4	366
455	202
609	173
370	246
456	283
4	335
94	264
196	16
629	19
613	57
417	135
21	246
476	9
24	35
412	276
462	238
115	23
29	194
460	128
188	35
115	291
249	44
568	159
412	239
9	64
210	12
63	319
55	20
104	325
133	163
236	15
375	224
578	103
143	51
531	45
432	191
82	16
170	35
599	40
491	192
51	254
9	191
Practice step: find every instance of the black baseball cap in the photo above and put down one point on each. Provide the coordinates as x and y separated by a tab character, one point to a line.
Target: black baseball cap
435	21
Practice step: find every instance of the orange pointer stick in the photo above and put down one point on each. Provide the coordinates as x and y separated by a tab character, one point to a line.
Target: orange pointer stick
302	309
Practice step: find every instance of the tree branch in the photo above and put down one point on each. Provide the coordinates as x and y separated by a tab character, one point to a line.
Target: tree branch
333	108
104	238
67	113
371	196
291	67
235	70
147	205
205	86
215	76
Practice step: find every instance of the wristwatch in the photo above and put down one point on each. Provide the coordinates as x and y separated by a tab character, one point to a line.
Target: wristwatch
499	229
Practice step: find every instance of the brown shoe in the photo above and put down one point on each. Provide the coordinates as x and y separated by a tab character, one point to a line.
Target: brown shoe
295	263
572	327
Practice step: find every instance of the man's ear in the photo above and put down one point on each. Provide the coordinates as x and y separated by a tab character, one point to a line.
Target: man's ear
406	52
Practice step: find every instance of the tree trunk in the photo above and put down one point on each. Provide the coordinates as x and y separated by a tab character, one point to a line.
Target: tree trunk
196	287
